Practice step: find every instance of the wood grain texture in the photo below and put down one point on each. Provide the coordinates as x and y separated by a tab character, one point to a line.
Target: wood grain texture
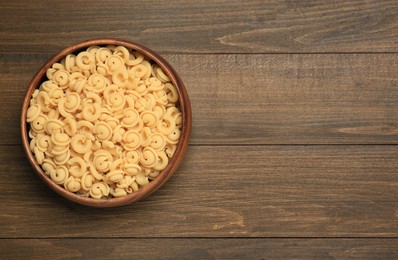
261	99
254	191
199	248
223	26
295	131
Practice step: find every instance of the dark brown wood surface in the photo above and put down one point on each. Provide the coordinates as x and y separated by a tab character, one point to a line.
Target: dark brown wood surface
193	26
201	248
294	148
227	191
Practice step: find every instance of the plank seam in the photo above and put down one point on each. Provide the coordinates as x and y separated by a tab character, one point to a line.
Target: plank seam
227	53
204	238
258	145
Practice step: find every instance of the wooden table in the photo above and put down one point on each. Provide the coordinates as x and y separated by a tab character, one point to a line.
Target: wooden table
295	130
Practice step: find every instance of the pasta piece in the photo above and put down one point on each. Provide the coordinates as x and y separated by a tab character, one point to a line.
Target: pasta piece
167	126
53	126
77	166
132	157
174	136
162	161
131	168
72	184
149	118
38	124
97	82
170	149
115	175
62	158
102	131
84	60
33	113
131	140
60	139
135	58
146	137
116	101
102	160
87	181
161	75
39	155
59	175
122	52
148	157
48	166
102	55
114	63
161	97
80	144
61	78
70	126
130	117
172	95
118	192
99	190
141	179
91	112
43	100
43	142
158	141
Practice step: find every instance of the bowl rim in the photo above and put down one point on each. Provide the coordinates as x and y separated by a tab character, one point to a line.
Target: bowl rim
164	175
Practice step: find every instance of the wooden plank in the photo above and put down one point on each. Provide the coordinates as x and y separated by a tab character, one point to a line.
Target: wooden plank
223	26
261	99
199	248
245	191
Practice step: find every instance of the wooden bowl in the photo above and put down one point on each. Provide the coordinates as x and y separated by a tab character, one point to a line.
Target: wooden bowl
163	176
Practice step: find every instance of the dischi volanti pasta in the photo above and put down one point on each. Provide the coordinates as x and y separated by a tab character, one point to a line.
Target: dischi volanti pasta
105	122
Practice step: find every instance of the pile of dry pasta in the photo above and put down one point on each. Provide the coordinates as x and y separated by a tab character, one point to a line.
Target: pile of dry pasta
105	122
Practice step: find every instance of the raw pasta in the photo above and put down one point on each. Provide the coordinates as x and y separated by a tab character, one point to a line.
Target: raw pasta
105	122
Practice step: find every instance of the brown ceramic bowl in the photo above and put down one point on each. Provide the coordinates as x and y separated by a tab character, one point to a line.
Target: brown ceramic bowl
155	184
